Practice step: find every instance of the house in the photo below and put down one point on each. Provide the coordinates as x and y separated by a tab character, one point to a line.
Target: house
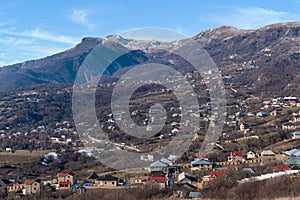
216	174
93	177
289	99
231	123
281	167
290	126
66	180
296	135
274	113
167	161
195	195
261	114
159	166
107	180
14	186
200	155
244	127
293	161
267	153
268	156
247	170
138	180
185	178
32	187
296	118
147	158
160	180
235	156
250	155
201	164
292	152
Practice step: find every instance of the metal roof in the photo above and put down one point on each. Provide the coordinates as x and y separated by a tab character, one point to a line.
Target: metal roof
201	161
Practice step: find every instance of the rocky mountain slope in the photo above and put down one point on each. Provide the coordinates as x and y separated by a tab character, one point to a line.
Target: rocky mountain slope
266	59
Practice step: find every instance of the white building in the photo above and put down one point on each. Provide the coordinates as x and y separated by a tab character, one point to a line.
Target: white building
296	135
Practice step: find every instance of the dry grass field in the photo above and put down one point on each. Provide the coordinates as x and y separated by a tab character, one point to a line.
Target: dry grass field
21	156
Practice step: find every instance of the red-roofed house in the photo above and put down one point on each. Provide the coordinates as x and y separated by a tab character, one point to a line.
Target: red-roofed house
281	167
66	179
217	174
235	156
32	187
161	180
200	155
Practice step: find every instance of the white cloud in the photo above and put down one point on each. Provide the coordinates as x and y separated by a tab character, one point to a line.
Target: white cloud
43	35
253	17
32	44
79	16
12	41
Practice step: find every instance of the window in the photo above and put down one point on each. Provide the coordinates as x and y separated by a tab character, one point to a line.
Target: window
113	183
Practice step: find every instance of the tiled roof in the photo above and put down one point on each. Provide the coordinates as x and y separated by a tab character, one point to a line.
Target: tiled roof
65	174
158	179
236	153
216	174
29	182
201	155
281	167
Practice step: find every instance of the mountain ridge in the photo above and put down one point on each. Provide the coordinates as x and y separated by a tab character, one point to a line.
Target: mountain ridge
271	45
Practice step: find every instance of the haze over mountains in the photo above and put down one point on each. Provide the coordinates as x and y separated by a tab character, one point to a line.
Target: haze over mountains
266	59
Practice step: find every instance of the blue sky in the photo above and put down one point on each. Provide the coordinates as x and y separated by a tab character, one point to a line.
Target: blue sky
31	29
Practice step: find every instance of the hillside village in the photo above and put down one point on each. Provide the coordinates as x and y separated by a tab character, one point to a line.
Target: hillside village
259	141
166	173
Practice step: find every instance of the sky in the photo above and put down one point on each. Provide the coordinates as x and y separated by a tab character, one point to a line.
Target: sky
32	29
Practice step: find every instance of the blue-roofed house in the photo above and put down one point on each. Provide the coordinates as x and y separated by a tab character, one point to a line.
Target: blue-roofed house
201	164
247	170
167	161
195	195
292	152
293	161
159	166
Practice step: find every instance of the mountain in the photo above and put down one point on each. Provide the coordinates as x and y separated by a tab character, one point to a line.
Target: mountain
266	59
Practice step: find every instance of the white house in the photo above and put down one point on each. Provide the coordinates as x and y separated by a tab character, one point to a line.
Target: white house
267	153
296	135
251	155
